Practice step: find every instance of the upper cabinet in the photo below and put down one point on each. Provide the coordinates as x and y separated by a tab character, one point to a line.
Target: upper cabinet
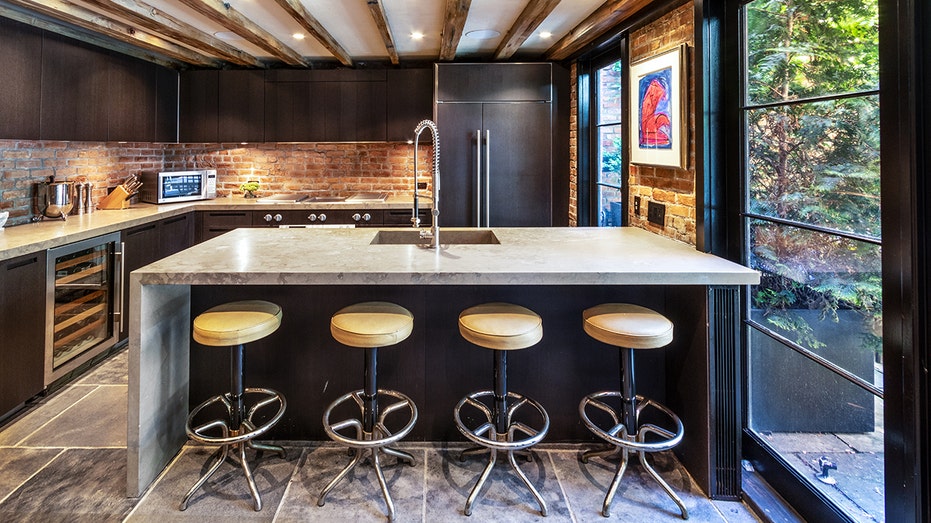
20	56
56	88
410	100
198	96
496	82
241	106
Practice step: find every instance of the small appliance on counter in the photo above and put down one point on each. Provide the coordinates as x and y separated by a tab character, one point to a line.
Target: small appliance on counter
55	199
179	186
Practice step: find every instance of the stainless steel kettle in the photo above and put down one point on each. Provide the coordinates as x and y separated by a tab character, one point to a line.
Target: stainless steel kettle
56	198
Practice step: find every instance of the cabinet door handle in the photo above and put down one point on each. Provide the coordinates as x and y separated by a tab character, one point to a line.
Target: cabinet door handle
487	178
22	263
118	292
478	178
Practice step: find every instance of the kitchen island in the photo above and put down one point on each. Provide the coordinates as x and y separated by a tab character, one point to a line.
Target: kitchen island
554	271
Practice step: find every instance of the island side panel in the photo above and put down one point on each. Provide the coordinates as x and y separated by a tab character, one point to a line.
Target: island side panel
160	327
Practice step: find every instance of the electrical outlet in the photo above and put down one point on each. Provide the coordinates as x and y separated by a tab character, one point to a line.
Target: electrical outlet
656	213
421	185
636	206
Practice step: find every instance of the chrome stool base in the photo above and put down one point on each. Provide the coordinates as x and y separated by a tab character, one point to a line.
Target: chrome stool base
491	440
237	439
376	439
623	443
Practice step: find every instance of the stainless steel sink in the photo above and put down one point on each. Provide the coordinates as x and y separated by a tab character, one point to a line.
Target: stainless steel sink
447	237
326	199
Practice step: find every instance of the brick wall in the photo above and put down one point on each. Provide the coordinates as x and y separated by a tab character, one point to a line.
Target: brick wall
674	188
324	168
332	169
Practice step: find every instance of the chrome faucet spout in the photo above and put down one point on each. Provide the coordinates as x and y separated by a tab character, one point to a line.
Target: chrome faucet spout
434	233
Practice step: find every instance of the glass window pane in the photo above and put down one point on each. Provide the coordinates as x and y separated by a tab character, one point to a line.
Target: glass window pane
610	175
816	421
819	291
817	163
610	94
804	49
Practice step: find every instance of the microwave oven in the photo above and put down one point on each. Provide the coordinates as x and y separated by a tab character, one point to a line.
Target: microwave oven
178	186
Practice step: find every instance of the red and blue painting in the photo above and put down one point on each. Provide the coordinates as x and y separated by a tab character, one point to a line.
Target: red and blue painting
654	106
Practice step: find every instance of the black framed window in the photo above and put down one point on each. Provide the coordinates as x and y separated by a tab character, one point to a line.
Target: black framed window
811	222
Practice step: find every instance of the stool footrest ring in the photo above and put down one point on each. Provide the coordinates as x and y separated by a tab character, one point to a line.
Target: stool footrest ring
364	440
634	441
504	441
248	430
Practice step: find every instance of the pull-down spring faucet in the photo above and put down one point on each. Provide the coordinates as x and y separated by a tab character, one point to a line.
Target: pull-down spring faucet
434	233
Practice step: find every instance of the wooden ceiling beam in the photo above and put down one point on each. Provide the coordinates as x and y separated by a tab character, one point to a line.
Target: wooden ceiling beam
456	13
159	22
57	27
68	12
528	22
377	7
296	10
223	14
604	18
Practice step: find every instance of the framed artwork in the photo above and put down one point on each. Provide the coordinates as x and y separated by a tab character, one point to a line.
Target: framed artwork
658	134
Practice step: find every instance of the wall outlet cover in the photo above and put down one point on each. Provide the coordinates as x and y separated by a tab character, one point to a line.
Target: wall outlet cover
656	213
636	206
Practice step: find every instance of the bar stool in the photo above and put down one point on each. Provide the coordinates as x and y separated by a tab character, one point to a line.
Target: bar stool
232	325
502	327
629	327
370	325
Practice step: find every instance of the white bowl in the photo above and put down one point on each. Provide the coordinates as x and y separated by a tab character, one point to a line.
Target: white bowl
3	216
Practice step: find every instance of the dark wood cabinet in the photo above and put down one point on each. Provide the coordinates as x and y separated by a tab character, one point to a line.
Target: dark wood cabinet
22	322
215	223
166	105
496	82
410	99
132	99
241	106
20	60
500	157
151	242
75	91
198	106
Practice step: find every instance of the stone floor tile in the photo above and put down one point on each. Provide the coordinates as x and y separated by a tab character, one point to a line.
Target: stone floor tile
96	420
358	497
504	496
113	371
80	485
639	497
225	496
27	423
19	464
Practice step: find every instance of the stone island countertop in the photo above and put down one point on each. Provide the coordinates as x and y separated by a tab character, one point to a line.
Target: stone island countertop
531	256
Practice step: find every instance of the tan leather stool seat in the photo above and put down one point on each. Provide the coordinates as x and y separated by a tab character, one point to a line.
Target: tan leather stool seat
371	324
501	326
236	323
627	325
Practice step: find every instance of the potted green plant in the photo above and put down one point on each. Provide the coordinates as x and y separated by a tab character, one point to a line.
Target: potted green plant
248	188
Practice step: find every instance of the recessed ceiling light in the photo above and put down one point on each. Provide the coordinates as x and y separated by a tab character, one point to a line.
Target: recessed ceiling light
226	35
482	34
417	35
546	34
298	36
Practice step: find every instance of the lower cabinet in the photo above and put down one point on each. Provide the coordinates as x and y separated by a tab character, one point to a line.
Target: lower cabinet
22	322
151	242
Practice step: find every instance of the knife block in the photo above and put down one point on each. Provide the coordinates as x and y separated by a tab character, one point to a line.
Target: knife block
117	199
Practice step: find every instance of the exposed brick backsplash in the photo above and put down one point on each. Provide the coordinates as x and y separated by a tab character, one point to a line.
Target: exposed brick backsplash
336	169
675	188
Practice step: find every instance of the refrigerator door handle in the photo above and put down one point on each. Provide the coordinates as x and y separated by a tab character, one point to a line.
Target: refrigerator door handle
487	178
478	178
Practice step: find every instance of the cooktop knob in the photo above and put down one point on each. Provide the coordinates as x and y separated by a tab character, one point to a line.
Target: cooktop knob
322	217
312	217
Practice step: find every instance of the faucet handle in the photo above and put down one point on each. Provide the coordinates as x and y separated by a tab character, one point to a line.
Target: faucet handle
415	220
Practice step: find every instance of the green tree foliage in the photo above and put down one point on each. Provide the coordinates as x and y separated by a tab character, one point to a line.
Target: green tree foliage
813	157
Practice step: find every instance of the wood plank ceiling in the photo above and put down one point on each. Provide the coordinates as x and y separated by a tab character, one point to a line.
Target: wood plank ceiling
308	33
